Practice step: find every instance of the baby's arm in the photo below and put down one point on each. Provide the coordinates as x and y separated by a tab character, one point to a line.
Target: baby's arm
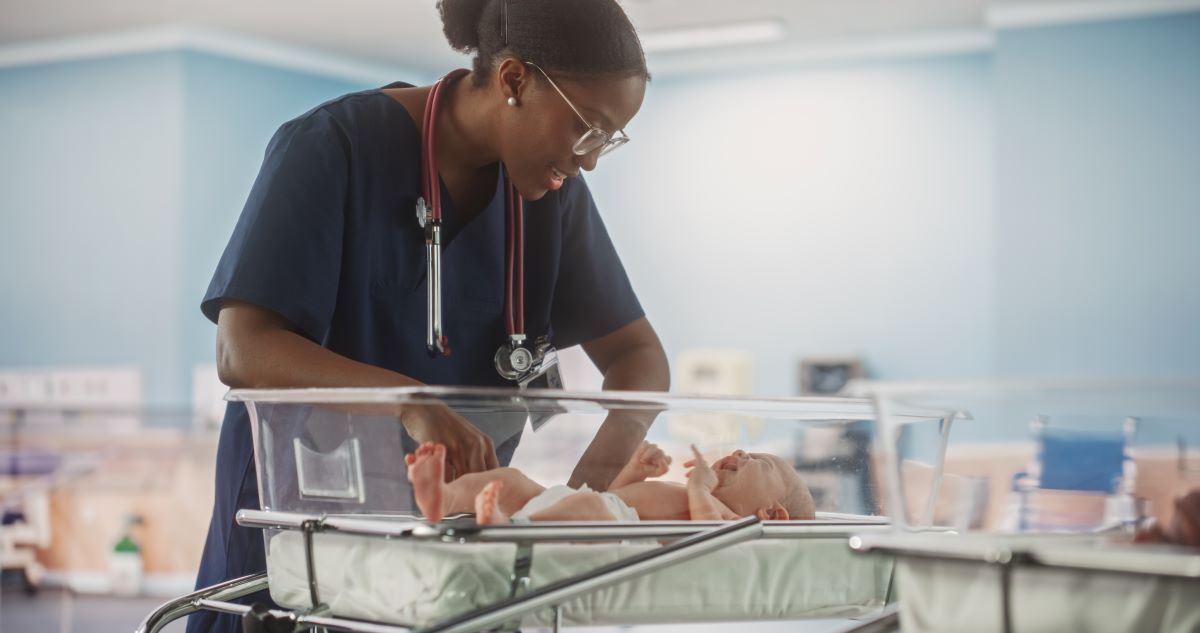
647	461
702	505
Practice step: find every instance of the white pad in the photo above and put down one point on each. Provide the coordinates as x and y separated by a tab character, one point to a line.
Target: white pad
415	583
940	596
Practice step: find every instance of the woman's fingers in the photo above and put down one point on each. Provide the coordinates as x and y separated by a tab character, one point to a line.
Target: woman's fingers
473	460
1187	520
488	454
1150	534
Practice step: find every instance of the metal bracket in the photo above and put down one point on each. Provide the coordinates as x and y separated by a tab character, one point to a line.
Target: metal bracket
422	212
521	580
309	528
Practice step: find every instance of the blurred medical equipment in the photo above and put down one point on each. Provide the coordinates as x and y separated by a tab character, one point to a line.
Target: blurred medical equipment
1079	481
38	401
1068	563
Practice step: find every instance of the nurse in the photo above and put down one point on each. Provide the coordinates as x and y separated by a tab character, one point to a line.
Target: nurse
323	282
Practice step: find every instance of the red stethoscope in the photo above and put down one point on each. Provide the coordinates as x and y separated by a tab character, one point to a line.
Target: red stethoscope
516	360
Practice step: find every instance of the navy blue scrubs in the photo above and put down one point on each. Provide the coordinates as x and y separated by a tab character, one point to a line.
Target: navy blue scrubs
329	240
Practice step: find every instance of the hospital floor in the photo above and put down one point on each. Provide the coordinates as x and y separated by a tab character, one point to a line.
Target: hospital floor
61	611
57	610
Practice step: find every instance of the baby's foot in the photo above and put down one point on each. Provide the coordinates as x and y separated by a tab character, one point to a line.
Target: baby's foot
426	469
487	505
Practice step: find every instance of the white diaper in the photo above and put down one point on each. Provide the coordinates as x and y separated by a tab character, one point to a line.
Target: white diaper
554	494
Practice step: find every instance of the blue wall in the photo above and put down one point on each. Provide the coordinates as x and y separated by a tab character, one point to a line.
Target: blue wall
1032	210
90	182
1098	223
826	210
120	181
230	111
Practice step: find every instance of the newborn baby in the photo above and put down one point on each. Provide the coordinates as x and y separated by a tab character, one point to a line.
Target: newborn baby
737	485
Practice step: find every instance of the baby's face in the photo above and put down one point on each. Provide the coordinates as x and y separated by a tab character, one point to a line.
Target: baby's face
747	482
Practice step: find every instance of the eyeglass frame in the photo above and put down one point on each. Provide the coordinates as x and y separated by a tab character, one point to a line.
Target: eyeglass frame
611	141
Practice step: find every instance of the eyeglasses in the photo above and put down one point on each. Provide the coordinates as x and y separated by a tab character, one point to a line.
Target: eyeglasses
595	138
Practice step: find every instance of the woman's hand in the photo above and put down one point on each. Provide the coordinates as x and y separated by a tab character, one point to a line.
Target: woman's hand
1184	527
468	450
610	450
701	476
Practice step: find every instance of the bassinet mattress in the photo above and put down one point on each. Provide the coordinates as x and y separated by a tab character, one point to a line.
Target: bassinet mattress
418	583
1089	590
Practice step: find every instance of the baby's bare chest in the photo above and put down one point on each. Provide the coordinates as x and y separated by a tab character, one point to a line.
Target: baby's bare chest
656	500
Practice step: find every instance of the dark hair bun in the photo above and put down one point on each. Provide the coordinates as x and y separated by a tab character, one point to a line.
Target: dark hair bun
460	22
572	38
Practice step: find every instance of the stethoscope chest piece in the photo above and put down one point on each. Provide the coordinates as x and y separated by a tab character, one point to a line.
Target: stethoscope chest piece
511	361
524	364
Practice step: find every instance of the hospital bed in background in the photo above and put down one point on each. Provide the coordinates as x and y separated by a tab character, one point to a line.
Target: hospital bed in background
347	551
36	402
1052	553
80	452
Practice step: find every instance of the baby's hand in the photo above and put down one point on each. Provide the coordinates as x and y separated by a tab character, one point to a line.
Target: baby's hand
700	476
648	461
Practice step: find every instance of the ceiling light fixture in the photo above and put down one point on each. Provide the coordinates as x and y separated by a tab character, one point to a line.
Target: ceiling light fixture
759	32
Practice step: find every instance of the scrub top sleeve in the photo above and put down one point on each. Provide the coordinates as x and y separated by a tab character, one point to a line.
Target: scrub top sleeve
286	250
593	296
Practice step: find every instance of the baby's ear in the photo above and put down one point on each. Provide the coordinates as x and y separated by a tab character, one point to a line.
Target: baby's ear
774	513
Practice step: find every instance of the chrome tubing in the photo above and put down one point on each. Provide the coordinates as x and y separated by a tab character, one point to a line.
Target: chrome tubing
555	593
188	604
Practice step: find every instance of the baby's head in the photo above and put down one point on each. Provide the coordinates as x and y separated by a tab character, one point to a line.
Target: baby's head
761	484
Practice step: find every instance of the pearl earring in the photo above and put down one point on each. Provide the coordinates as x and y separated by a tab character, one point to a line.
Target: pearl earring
512	101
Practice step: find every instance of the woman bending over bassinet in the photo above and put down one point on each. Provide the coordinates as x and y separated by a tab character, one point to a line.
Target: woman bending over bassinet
737	485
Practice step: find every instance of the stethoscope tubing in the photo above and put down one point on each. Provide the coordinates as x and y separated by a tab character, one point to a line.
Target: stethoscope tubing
514	247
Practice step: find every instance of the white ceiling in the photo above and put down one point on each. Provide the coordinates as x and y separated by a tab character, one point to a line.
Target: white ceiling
407	33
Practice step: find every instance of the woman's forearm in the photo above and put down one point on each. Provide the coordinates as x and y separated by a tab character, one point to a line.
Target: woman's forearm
640	368
255	349
282	359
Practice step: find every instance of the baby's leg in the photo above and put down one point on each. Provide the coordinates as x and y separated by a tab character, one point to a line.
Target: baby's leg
436	499
515	490
487	505
426	472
